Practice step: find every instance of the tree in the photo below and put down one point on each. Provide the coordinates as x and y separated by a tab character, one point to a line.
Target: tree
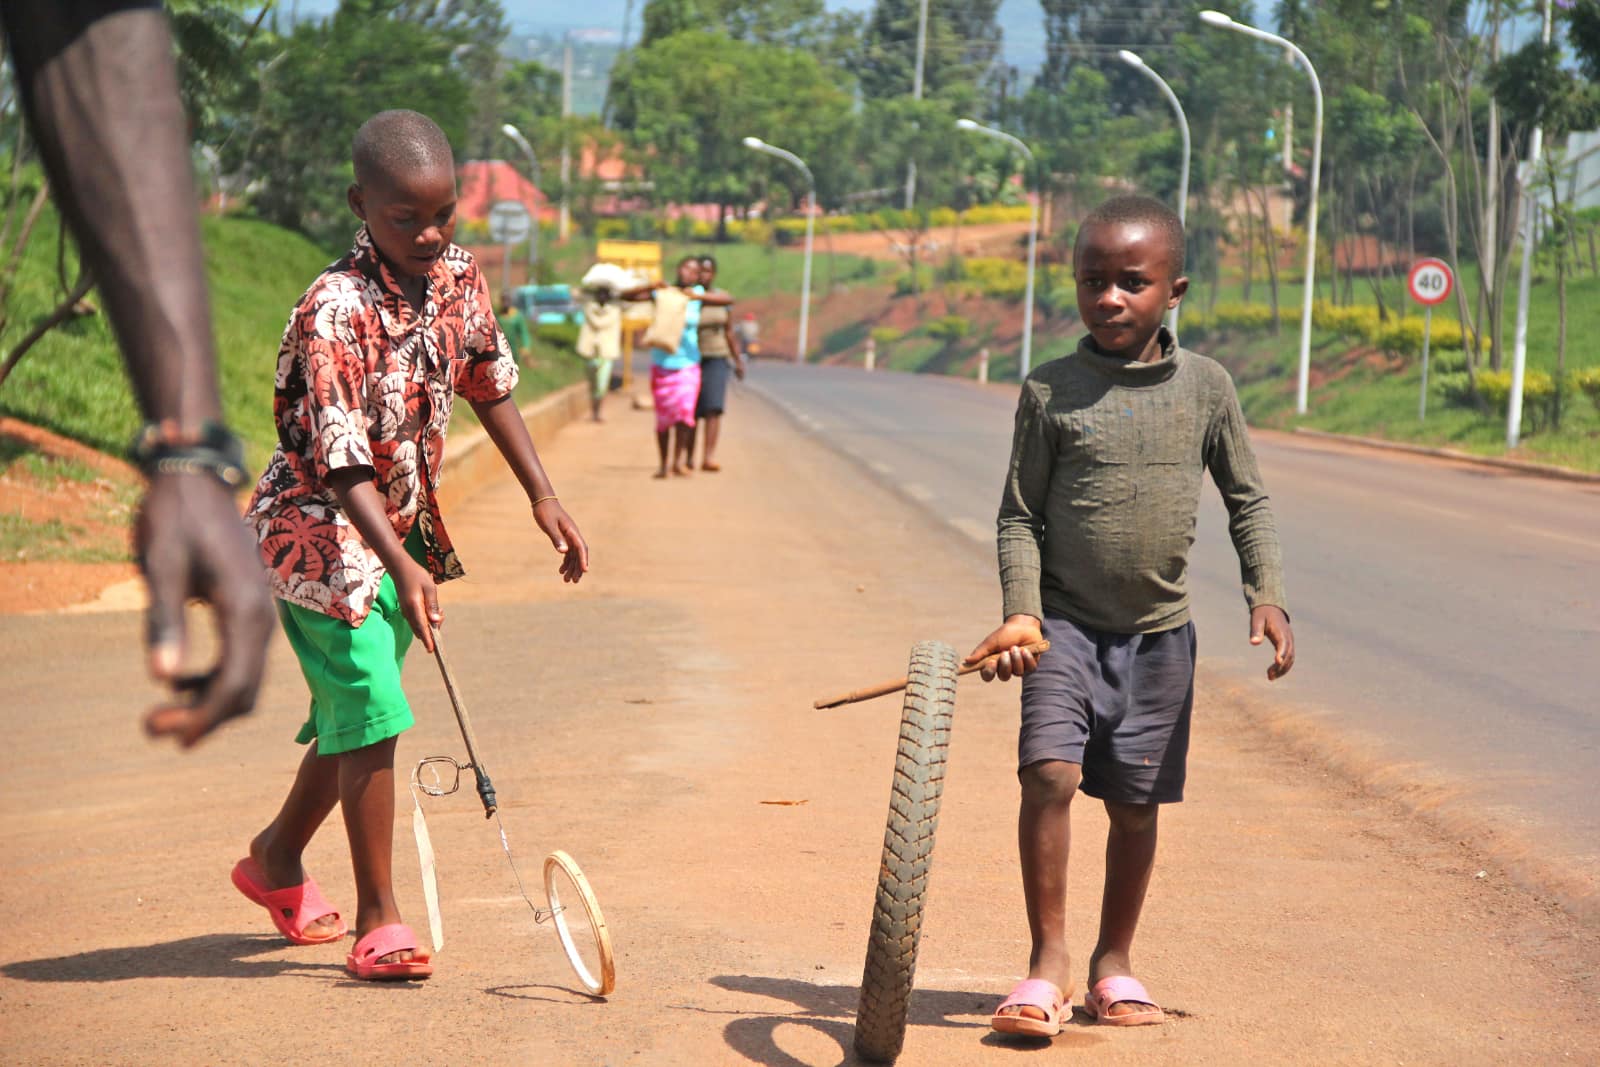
687	101
320	82
962	45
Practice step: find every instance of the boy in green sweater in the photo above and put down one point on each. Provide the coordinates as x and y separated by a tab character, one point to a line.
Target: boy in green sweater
1095	525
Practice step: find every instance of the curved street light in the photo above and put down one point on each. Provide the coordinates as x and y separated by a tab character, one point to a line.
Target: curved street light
1025	363
1138	64
1221	21
533	165
757	144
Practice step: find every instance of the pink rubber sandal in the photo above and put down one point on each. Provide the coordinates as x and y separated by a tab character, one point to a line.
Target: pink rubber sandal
292	909
385	940
1031	993
1122	989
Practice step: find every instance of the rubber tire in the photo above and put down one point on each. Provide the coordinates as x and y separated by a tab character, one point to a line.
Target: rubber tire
925	720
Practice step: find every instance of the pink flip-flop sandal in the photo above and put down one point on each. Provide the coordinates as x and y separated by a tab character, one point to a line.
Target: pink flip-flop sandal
1031	993
292	909
1122	989
385	940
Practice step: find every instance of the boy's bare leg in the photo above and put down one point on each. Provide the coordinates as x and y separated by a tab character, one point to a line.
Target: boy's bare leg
708	461
663	437
366	792
278	848
1044	839
1130	857
682	449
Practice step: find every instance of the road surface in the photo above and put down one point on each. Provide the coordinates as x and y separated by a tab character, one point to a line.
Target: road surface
1447	616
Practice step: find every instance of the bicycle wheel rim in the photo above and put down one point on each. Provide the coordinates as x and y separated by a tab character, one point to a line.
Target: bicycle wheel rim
575	913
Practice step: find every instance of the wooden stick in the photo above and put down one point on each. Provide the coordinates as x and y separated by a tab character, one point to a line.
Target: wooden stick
1038	648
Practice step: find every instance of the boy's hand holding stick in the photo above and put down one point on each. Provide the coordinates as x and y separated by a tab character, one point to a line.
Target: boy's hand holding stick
986	665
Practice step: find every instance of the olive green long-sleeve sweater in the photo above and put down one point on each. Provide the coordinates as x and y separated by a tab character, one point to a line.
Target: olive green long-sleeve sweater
1101	496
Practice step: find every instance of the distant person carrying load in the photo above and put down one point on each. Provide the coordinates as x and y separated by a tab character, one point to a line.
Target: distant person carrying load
719	357
674	340
600	335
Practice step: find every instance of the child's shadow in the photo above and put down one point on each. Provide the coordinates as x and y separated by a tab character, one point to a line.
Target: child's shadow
205	956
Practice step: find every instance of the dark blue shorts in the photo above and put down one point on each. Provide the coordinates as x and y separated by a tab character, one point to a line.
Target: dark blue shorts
1117	704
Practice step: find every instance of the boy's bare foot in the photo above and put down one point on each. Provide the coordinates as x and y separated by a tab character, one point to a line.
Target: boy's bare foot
679	472
285	872
710	465
662	473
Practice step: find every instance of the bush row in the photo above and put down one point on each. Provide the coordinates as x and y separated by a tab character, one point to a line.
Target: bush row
790	229
1397	335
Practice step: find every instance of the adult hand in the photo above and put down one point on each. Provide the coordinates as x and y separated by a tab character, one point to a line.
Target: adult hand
738	368
1268	622
557	525
192	545
419	600
1009	645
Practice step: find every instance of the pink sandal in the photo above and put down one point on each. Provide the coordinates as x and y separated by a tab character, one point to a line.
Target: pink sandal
1122	989
385	940
1031	993
292	909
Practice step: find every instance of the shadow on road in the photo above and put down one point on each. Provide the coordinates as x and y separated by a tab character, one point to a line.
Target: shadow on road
526	992
205	956
830	1009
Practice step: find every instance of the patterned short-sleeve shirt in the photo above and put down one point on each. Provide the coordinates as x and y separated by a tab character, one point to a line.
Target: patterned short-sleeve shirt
364	380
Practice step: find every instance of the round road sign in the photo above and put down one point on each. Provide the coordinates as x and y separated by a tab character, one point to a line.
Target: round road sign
1430	281
509	222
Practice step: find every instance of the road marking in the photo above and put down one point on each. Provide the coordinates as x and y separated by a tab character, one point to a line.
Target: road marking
1583	542
880	466
920	493
981	532
1448	512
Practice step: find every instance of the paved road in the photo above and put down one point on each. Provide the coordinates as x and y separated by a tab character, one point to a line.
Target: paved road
1448	616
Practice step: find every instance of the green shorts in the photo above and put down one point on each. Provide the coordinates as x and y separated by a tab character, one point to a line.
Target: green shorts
353	671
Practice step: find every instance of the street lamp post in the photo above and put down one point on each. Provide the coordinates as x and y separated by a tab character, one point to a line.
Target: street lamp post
1218	19
1183	127
1025	362
1526	206
759	145
533	166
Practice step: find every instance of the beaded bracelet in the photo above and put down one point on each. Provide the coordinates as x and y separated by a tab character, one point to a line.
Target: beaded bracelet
159	448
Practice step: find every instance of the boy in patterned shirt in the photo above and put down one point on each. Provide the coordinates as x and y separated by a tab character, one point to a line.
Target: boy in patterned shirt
347	516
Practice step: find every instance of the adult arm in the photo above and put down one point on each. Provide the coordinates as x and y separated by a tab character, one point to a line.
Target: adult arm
99	86
733	347
1252	528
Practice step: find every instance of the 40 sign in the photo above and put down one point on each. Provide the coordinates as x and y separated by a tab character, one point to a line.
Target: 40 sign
1430	282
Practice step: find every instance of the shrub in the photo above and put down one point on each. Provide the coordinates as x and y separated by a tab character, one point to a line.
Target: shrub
1495	387
949	327
1249	317
1588	381
1454	386
611	229
558	334
886	335
999	279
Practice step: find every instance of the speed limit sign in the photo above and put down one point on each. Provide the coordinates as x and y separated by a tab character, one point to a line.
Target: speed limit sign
1430	281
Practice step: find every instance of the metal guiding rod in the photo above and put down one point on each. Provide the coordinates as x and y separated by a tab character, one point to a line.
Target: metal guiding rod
485	786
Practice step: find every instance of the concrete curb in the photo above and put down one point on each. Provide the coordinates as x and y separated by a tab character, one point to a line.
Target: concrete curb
1540	470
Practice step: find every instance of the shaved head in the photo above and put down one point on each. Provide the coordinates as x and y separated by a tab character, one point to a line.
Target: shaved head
1142	211
397	144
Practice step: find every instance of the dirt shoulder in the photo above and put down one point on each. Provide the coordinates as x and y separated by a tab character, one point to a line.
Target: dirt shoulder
642	722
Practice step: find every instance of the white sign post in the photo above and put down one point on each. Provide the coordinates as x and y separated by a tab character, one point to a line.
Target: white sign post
1429	283
509	222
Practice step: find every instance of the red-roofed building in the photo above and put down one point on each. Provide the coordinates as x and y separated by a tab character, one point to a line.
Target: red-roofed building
483	182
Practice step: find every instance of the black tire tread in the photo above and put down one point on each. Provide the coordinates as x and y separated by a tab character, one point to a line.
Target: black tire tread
919	765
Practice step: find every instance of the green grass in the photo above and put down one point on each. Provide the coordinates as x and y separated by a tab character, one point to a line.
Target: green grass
746	270
73	381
